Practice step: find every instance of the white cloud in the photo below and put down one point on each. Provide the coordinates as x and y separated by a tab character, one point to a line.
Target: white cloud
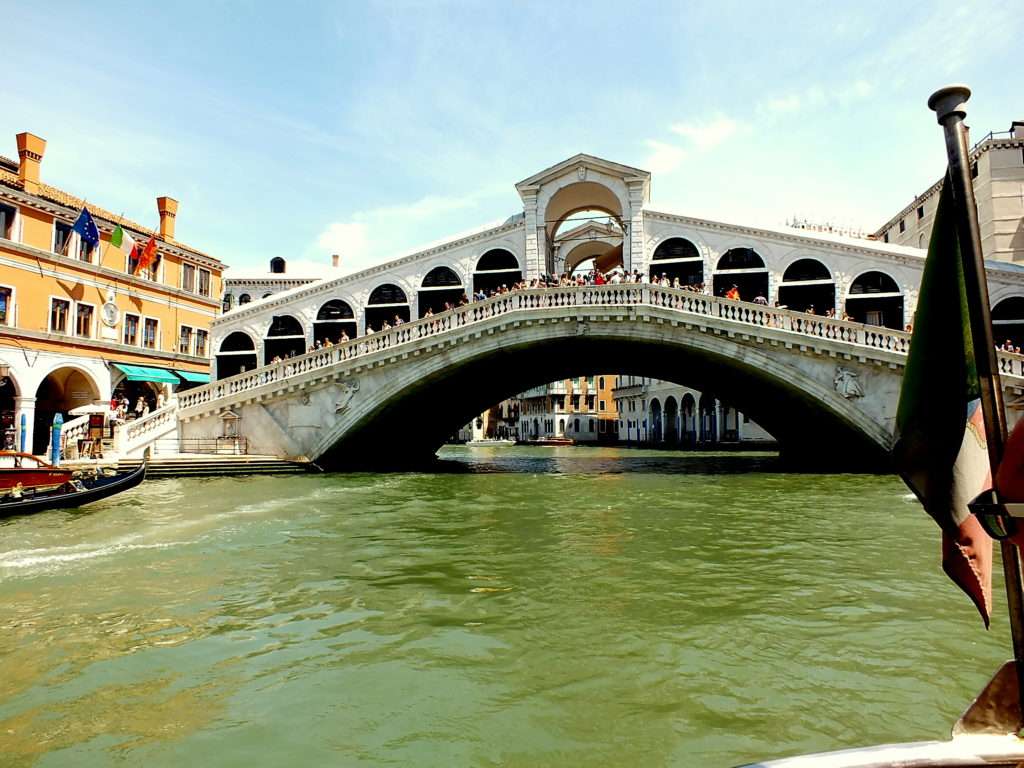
782	104
348	238
664	158
709	134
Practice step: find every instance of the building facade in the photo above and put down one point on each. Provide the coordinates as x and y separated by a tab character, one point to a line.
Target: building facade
580	409
997	167
78	324
660	413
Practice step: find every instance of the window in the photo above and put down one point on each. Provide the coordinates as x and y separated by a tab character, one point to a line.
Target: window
59	311
601	405
6	307
920	212
202	338
130	335
83	320
204	282
228	298
903	226
974	170
885	237
600	383
185	341
85	251
150	333
61	234
188	278
7	214
575	402
152	272
590	381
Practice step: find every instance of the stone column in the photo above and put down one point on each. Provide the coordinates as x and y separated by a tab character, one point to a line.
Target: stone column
535	237
633	256
26	406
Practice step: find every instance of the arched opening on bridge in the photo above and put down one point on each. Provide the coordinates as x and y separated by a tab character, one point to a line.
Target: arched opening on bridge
1008	321
587	240
386	303
285	338
808	284
875	299
708	412
689	420
8	409
245	298
494	269
656	423
745	269
237	354
671	419
579	207
588	256
334	318
678	257
440	286
59	392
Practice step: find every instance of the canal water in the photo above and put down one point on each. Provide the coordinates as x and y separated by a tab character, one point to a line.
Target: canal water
516	607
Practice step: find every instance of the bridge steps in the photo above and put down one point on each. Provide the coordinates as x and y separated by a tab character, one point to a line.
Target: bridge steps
218	466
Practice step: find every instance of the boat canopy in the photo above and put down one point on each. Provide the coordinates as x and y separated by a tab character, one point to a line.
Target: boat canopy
145	373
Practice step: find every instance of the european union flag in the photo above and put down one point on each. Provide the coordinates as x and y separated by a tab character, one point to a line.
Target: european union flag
86	228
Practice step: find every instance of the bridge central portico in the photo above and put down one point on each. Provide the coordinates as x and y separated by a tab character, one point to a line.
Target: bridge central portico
780	359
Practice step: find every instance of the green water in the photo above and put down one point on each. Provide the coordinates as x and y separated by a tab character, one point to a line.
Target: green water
541	607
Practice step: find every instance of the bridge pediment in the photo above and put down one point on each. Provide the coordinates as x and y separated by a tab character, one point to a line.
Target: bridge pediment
579	167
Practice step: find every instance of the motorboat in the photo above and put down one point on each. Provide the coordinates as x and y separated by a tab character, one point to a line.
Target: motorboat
30	473
87	488
489	442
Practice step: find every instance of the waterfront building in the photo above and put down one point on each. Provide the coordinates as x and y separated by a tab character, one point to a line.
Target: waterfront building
78	323
243	285
656	412
997	167
580	409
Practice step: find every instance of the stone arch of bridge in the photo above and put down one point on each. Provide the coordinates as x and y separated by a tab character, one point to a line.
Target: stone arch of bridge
440	393
606	253
876	298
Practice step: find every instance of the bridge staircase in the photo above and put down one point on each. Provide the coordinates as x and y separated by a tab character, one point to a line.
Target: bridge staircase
197	465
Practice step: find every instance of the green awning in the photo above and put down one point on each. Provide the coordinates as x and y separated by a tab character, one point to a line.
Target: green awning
145	373
195	378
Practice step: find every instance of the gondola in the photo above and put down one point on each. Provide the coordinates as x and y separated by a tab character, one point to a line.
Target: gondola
75	493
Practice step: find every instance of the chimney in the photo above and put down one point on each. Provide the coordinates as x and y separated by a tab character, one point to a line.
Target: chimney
168	208
1017	129
30	152
334	259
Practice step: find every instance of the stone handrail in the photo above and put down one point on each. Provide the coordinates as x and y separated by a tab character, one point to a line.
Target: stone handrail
74	430
621	295
133	434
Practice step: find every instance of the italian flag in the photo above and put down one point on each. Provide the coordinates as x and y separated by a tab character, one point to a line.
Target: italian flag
941	449
124	241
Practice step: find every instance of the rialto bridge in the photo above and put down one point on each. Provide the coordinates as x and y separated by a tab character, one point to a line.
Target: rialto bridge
826	388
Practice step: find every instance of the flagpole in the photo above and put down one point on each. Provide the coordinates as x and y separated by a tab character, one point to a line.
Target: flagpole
949	105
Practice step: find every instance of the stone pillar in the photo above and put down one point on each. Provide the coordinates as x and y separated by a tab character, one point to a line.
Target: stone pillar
536	245
633	256
26	406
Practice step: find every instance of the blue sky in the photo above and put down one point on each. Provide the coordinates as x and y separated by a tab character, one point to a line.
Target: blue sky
302	129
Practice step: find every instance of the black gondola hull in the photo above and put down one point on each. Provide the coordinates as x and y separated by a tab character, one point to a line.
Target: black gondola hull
97	489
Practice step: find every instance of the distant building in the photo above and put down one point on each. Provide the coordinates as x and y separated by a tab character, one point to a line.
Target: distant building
78	322
997	166
580	409
655	412
242	286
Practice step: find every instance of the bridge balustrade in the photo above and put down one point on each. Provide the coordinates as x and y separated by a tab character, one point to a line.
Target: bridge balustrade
686	302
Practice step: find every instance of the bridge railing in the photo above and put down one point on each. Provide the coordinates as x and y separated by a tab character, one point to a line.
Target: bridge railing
686	302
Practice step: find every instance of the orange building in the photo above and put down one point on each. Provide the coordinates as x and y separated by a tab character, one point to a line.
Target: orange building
78	324
582	409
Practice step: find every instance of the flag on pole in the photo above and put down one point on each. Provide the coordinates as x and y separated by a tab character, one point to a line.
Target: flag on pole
148	255
941	449
86	228
124	241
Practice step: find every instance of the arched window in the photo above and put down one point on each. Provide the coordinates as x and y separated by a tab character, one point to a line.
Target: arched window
237	354
1008	321
807	286
496	268
440	287
386	302
245	298
266	295
285	338
678	257
875	299
333	319
744	269
277	266
576	425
